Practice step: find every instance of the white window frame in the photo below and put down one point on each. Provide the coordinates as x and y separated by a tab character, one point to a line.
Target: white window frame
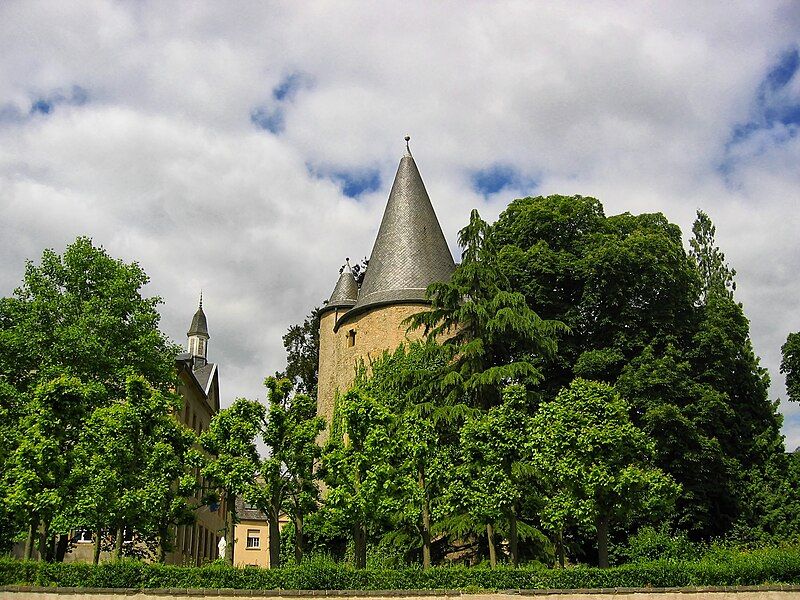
254	541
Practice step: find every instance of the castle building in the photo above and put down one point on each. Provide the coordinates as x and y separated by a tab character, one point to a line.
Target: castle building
409	254
199	388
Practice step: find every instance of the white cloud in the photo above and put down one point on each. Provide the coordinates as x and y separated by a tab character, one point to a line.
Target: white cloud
634	104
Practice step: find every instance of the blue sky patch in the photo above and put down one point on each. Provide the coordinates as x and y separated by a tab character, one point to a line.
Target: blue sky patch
270	116
44	105
498	177
353	182
782	73
270	119
776	109
289	86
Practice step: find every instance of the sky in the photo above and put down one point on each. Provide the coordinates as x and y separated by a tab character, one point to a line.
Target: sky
247	148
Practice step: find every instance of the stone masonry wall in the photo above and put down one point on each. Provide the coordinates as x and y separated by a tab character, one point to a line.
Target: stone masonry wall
375	330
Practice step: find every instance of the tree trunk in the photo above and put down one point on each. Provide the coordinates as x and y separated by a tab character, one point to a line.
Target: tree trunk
492	549
426	523
298	536
43	539
360	546
52	542
29	542
230	501
61	547
602	541
513	538
118	543
274	536
97	537
163	534
560	547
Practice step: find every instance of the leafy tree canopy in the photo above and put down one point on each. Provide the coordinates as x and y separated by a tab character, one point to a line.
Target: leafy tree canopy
601	466
83	313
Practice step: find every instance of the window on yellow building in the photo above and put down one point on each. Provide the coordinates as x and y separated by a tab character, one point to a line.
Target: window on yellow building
253	538
351	338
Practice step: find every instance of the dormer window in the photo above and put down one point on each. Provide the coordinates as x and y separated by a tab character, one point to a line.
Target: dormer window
351	338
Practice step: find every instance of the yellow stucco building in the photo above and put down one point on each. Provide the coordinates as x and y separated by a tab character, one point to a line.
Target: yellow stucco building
359	323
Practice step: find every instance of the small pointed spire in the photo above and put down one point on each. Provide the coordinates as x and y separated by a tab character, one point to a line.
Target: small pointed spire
346	291
199	324
408	149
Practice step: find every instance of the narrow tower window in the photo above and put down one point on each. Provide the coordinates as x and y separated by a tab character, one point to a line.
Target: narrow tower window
351	338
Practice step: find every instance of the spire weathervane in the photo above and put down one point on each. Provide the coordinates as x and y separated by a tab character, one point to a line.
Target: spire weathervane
408	150
201	299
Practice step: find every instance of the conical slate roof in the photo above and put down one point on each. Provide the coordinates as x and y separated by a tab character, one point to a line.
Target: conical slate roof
410	251
346	291
199	324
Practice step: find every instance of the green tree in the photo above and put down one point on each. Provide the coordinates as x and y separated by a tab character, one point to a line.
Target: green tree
357	469
232	461
78	322
406	382
288	472
686	419
496	471
618	283
498	337
716	276
660	323
39	474
790	365
600	464
131	469
82	313
302	355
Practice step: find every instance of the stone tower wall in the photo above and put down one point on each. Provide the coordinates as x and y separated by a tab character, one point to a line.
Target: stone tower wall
375	330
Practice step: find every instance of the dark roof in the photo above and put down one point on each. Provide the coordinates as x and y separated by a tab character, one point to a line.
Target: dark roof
199	324
346	291
249	514
203	375
410	251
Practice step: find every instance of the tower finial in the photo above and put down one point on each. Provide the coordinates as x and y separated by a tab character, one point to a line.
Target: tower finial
201	299
408	150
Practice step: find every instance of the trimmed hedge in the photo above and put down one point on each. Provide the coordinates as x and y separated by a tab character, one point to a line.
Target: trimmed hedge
752	568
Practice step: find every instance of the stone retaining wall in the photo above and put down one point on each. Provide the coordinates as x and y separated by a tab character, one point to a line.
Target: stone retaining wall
771	592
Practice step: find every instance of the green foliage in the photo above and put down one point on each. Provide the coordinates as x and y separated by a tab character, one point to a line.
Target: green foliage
301	342
82	313
715	275
768	566
650	544
662	326
231	458
357	469
70	337
790	365
128	460
288	472
498	338
599	466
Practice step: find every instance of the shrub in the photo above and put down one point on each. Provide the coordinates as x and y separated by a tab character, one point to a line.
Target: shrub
775	565
651	544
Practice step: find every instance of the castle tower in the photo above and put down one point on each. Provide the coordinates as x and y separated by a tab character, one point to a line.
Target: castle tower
198	336
409	254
